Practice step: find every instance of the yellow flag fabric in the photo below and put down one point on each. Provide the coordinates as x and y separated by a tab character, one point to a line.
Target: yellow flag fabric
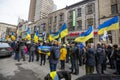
13	38
53	36
85	36
111	24
63	31
36	38
54	75
28	37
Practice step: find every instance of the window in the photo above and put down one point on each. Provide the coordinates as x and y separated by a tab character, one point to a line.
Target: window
60	25
79	12
61	17
114	9
55	19
44	26
50	20
54	29
70	27
79	24
70	14
49	28
90	8
35	28
89	22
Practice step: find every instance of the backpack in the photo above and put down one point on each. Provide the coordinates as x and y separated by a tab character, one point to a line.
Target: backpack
100	55
77	52
99	51
56	53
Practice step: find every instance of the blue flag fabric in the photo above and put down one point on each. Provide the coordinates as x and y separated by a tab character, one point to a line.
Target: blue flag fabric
111	24
44	48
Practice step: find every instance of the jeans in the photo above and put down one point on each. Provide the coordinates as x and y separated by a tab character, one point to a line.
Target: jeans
37	56
118	66
99	69
89	69
62	64
53	67
21	55
16	55
43	58
75	66
31	56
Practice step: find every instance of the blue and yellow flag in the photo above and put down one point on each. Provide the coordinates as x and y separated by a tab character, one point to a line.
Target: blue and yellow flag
53	36
111	24
54	75
85	36
13	38
28	37
36	38
63	31
56	35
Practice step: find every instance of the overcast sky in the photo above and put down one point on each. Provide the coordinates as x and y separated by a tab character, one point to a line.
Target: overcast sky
11	10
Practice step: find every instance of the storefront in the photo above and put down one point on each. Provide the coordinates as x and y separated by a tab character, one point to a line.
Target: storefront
72	35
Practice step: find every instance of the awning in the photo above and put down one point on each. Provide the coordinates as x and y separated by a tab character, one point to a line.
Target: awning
78	33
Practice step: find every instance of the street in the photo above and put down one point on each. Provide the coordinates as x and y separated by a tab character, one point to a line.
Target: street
11	69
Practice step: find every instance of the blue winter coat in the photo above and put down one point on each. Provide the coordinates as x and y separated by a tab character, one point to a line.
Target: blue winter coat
90	57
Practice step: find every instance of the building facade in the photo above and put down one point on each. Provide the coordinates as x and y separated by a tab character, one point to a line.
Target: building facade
56	19
86	14
40	8
107	10
6	29
32	10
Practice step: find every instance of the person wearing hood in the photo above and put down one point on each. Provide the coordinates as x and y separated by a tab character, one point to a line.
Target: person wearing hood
63	53
90	59
100	57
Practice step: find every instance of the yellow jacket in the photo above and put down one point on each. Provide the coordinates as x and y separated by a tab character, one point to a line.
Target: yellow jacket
63	52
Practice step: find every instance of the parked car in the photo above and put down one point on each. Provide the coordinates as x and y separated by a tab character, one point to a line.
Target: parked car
5	49
99	77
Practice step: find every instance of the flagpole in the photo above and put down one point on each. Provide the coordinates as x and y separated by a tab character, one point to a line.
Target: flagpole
93	37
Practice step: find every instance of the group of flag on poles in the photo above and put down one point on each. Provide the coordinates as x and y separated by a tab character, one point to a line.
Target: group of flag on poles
111	24
60	34
28	36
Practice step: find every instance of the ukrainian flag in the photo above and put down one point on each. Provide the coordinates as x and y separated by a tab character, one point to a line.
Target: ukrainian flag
56	35
111	24
50	37
85	36
28	37
63	31
53	36
36	38
54	75
13	38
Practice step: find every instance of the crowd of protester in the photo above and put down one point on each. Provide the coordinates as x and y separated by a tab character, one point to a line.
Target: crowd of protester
97	57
